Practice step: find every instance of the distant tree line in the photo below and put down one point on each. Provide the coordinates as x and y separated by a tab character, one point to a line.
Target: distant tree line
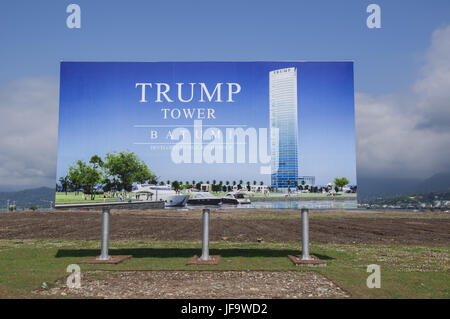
220	186
339	182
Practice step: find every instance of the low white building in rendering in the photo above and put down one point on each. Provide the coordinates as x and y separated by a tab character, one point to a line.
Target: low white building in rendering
309	180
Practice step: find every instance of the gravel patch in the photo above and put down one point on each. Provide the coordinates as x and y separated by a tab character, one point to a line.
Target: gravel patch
199	285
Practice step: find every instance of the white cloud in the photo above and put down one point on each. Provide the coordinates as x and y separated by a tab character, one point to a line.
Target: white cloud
408	134
28	132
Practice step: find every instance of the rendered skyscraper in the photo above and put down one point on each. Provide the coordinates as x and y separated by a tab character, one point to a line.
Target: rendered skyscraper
283	127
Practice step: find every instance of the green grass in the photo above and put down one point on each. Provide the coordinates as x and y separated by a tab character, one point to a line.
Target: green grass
406	271
74	198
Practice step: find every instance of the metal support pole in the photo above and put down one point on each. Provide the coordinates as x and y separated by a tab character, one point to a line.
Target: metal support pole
105	235
305	235
205	238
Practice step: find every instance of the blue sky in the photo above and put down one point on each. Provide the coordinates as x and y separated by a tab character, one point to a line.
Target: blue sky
100	106
231	30
396	67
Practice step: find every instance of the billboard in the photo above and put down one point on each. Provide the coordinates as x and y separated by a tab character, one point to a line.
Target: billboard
264	129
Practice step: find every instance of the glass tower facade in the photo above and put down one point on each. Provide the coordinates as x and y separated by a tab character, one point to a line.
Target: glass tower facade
283	127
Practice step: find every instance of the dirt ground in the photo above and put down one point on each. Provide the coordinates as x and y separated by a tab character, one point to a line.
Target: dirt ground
233	225
199	284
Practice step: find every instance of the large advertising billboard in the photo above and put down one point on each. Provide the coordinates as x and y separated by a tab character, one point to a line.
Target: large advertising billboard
262	129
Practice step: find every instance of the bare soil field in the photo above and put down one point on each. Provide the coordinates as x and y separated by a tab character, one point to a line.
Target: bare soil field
233	225
199	284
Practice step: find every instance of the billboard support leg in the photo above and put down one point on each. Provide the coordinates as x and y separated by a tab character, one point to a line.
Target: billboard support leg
105	235
305	235
205	238
306	259
205	258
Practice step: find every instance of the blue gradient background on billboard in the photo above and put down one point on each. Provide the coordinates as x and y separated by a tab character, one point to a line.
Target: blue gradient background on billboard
99	106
